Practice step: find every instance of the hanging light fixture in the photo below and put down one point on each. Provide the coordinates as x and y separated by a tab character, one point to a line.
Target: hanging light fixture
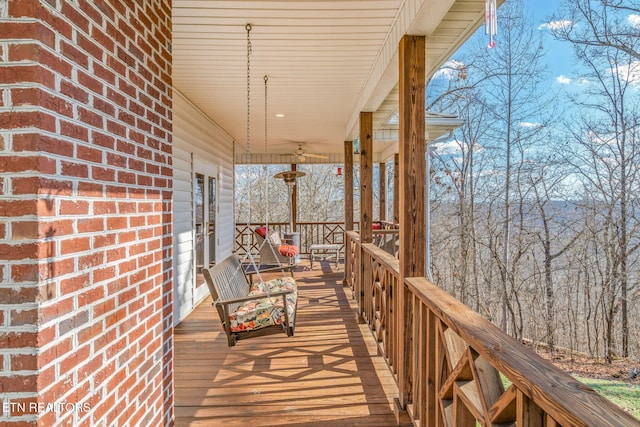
339	172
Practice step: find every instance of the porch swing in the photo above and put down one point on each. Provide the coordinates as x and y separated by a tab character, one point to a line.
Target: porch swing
251	309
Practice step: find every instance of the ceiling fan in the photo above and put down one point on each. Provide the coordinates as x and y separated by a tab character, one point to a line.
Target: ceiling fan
300	155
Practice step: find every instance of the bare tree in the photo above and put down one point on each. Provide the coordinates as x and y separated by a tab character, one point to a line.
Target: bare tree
599	24
519	106
607	130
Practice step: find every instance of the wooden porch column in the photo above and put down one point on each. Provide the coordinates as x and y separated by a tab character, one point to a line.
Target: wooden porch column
396	188
366	177
383	191
294	202
348	186
411	195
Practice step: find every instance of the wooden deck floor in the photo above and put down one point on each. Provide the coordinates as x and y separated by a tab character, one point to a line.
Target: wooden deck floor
328	374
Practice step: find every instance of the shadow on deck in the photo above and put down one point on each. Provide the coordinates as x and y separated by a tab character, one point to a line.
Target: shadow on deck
328	374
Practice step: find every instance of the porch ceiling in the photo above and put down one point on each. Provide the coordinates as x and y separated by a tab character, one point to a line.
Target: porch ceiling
327	60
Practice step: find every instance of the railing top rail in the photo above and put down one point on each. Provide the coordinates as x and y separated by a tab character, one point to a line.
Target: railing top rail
557	393
389	261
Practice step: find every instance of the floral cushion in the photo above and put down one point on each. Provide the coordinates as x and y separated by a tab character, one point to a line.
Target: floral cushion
263	312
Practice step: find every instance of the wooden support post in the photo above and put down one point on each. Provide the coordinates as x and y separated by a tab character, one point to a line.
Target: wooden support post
366	177
411	195
348	200
294	202
396	188
383	191
348	185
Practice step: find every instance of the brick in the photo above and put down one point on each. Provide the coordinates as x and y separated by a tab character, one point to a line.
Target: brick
145	181
27	119
103	72
91	225
90	118
73	91
73	360
18	164
117	160
126	177
18	295
74	207
23	317
74	245
34	52
74	130
53	352
35	142
103	174
90	261
74	284
78	170
102	208
14	252
104	106
92	49
73	15
15	74
20	30
25	273
103	140
23	362
89	154
116	128
18	340
90	189
36	96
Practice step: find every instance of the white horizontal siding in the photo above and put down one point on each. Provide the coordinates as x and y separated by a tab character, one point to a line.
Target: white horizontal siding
197	138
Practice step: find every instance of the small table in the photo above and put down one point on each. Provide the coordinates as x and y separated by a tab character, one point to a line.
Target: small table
325	249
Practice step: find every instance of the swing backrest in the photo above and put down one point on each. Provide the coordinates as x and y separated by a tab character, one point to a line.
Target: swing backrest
226	280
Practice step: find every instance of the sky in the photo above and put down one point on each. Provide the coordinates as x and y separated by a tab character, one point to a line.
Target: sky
563	69
559	55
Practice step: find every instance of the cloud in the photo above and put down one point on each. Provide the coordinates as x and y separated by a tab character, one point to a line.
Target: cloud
634	20
450	147
563	80
451	70
529	125
555	25
630	72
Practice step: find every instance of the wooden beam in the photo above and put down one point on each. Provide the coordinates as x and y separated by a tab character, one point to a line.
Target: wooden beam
412	191
366	177
348	185
396	188
383	191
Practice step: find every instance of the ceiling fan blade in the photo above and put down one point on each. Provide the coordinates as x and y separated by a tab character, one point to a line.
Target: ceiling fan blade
316	156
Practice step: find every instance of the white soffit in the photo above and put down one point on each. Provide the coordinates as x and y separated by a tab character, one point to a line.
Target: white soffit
326	61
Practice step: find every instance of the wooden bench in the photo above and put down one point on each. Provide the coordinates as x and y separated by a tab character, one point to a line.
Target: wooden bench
318	249
245	309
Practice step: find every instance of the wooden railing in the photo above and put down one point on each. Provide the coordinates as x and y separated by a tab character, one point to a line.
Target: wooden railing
453	367
310	233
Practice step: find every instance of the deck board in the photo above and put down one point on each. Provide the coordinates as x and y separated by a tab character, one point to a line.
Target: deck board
327	374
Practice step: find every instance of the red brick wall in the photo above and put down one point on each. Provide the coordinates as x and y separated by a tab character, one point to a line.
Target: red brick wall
85	212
